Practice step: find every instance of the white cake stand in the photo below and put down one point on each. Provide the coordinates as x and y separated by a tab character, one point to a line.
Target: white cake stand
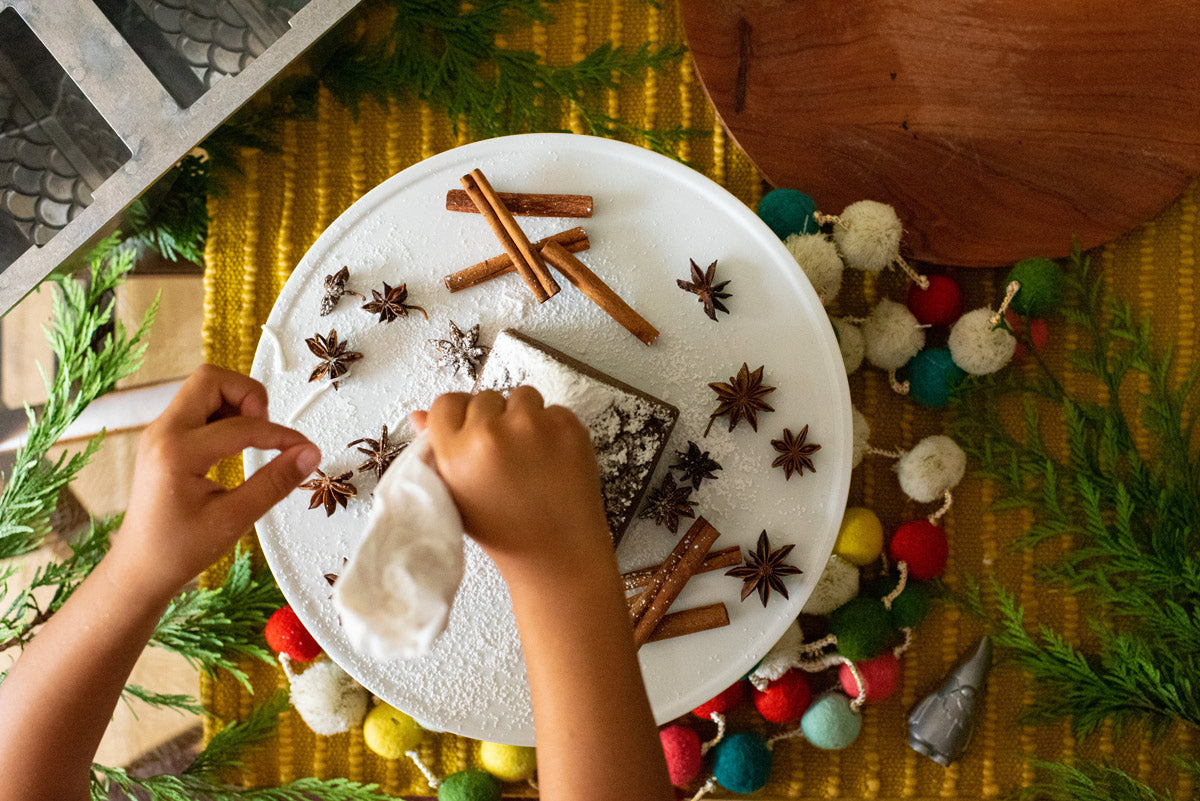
652	215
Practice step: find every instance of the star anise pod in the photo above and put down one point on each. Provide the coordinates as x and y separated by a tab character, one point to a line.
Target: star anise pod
379	452
390	303
330	491
668	503
705	290
794	453
695	465
335	287
741	398
334	356
764	570
461	351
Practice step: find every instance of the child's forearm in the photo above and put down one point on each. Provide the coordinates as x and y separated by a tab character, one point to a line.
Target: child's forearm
59	696
596	736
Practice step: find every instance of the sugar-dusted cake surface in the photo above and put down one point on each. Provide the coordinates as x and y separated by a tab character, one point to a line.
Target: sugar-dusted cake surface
629	428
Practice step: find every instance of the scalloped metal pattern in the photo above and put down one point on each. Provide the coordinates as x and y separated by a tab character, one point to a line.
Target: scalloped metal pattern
217	38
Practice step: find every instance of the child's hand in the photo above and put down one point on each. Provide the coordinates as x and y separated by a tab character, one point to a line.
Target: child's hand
523	475
178	522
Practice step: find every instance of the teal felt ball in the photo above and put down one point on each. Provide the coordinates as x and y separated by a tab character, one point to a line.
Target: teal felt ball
830	723
910	606
469	785
742	763
932	375
787	212
1041	291
862	627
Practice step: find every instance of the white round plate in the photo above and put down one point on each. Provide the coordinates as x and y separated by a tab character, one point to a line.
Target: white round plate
652	215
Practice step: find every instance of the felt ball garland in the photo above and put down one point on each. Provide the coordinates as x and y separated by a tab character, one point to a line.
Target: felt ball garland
860	537
508	763
285	634
851	343
880	676
1040	289
787	212
784	699
838	583
681	747
469	785
742	762
940	303
389	732
932	376
326	698
860	436
818	258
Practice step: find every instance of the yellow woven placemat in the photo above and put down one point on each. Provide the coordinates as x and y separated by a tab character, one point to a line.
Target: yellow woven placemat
285	200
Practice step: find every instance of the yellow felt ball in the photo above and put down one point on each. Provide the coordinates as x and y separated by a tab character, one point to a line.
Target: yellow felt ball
860	539
389	732
508	763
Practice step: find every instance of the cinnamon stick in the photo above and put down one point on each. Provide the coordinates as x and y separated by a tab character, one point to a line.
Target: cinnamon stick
690	621
527	260
573	240
599	292
528	204
670	578
726	557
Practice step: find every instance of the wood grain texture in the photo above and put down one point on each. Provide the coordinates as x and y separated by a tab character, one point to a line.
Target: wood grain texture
997	129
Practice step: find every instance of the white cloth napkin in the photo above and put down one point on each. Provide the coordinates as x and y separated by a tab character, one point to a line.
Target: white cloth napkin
394	595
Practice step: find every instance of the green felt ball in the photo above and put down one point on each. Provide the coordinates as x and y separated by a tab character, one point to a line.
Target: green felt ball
830	723
862	627
1041	291
910	606
932	375
787	212
742	763
469	785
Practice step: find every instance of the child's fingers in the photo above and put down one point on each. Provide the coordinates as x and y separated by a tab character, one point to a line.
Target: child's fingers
233	435
487	405
209	390
525	399
447	413
240	507
420	420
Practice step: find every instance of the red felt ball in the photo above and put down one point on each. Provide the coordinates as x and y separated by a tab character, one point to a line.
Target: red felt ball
940	304
880	674
681	747
287	635
785	699
730	697
923	546
1036	330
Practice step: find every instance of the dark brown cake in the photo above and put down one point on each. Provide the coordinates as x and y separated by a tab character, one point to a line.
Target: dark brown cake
629	428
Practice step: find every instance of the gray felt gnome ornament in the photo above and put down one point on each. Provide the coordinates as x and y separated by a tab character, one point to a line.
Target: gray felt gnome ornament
941	725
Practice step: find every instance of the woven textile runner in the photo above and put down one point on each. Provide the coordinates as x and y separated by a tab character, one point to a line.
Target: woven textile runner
285	200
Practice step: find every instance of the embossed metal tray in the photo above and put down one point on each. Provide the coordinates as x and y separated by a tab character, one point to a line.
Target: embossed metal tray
99	98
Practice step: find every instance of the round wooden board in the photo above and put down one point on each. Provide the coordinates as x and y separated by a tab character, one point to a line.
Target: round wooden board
998	129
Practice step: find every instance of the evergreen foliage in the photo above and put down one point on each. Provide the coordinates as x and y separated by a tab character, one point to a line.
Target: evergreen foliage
441	52
93	351
1131	516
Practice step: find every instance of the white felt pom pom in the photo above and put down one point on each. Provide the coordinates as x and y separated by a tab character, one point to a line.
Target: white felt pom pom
783	656
892	334
978	349
328	700
868	235
860	437
819	259
934	466
850	343
837	585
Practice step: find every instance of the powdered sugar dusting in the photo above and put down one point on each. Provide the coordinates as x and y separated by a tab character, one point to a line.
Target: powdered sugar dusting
652	215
